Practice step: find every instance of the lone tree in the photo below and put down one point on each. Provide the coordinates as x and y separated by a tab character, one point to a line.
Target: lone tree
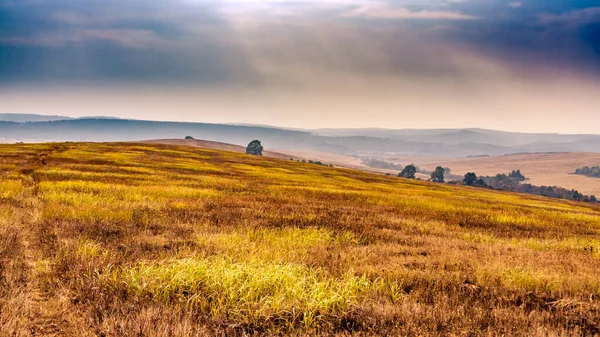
254	148
438	175
470	179
408	172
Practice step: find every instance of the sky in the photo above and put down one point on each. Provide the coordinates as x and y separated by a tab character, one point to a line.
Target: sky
531	66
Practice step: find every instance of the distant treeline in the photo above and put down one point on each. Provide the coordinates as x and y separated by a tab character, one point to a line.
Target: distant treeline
504	182
593	171
512	182
380	164
555	192
312	162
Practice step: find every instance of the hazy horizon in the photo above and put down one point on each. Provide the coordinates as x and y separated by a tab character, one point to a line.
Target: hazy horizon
521	66
284	127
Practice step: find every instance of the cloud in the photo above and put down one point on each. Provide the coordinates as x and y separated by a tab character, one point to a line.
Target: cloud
252	9
287	42
516	4
131	38
347	56
125	37
573	18
384	11
18	3
73	18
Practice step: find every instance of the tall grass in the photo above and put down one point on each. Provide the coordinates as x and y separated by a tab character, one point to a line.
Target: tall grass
255	292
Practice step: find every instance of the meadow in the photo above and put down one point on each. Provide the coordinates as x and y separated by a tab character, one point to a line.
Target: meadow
131	239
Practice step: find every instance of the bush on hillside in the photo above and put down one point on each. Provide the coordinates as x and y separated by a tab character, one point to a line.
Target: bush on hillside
255	148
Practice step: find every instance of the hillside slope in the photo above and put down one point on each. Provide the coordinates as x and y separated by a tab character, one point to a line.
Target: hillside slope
130	239
324	157
207	144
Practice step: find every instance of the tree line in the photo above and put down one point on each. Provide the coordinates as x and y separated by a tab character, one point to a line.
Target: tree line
593	171
504	182
376	163
513	182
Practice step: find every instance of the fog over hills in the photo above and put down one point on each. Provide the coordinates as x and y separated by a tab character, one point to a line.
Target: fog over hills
435	142
458	136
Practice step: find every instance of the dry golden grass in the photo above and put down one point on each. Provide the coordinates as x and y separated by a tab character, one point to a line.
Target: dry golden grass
160	240
544	169
338	160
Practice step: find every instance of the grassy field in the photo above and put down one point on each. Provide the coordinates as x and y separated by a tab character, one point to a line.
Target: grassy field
157	240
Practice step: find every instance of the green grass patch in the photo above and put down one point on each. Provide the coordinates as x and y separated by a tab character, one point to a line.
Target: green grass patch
254	291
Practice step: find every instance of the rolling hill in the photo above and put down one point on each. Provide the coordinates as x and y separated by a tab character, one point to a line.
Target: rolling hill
130	239
298	155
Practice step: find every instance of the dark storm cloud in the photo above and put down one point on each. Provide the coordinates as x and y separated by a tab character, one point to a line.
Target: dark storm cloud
256	41
544	34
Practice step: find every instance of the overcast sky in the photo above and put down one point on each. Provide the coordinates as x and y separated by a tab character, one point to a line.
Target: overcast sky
512	65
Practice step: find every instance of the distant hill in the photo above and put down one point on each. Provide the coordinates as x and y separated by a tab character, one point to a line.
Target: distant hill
24	118
462	136
442	142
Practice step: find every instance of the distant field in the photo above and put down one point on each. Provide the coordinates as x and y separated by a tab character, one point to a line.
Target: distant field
339	160
335	159
285	154
134	239
541	169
